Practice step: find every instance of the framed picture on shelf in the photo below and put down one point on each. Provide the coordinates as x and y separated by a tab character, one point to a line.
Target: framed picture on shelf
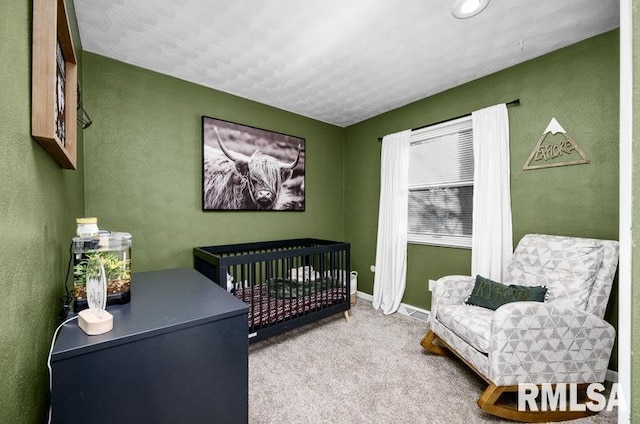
54	82
247	168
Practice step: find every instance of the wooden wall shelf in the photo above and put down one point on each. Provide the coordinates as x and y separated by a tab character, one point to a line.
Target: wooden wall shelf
54	82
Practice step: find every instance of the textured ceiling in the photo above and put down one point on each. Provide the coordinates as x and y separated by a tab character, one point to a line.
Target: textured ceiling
338	61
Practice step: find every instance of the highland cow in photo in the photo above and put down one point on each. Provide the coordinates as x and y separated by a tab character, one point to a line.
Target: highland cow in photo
235	179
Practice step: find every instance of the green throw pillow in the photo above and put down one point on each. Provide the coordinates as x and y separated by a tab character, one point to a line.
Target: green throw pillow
490	294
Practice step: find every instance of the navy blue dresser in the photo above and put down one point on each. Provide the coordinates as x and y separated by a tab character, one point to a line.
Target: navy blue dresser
178	353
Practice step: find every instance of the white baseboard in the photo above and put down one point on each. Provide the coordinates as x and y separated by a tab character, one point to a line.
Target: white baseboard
365	296
404	309
408	310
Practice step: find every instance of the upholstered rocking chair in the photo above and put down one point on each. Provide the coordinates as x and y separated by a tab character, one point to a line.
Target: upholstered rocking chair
560	338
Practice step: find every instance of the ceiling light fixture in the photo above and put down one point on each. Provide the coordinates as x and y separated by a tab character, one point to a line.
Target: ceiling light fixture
463	9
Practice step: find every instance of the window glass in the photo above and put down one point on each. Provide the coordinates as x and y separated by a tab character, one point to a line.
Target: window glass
441	184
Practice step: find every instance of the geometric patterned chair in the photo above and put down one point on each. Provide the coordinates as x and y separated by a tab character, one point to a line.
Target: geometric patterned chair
563	339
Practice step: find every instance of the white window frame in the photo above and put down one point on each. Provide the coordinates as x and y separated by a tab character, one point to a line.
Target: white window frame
433	131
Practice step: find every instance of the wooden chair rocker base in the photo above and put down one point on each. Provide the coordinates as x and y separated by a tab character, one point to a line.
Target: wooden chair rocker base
428	344
488	401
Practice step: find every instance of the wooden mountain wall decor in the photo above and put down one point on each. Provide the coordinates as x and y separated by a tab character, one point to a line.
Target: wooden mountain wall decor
561	153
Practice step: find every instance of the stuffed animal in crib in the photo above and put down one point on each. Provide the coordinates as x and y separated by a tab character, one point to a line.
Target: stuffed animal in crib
304	273
337	275
231	288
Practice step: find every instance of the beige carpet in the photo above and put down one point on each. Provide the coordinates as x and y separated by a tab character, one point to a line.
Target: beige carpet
372	370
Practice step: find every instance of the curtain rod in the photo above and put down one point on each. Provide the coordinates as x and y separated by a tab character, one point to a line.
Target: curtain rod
511	103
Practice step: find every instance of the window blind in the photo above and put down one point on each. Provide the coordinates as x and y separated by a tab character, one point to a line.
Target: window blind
441	184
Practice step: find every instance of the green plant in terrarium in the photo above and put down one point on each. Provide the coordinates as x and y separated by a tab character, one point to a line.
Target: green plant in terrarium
117	272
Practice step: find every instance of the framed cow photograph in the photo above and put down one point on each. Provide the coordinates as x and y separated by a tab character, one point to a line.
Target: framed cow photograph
247	168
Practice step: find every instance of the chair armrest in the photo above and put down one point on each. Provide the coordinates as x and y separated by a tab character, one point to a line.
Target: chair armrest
535	342
451	290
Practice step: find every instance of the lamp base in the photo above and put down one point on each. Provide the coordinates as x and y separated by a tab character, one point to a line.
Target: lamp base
92	324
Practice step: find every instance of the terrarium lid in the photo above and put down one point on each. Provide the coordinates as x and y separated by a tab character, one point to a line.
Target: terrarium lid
115	234
103	241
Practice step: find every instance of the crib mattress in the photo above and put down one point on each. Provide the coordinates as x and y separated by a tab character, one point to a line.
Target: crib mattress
265	309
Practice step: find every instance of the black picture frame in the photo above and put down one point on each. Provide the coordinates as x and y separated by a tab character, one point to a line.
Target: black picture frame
245	168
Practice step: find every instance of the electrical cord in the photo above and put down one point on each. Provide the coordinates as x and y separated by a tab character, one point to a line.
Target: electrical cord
68	297
53	341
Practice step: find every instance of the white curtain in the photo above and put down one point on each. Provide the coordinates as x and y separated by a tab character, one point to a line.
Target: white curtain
391	251
492	239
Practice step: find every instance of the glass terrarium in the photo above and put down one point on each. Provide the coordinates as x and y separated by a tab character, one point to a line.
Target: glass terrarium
108	256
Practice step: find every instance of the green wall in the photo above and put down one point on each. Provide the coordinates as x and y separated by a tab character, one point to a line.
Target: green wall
577	85
144	165
39	202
